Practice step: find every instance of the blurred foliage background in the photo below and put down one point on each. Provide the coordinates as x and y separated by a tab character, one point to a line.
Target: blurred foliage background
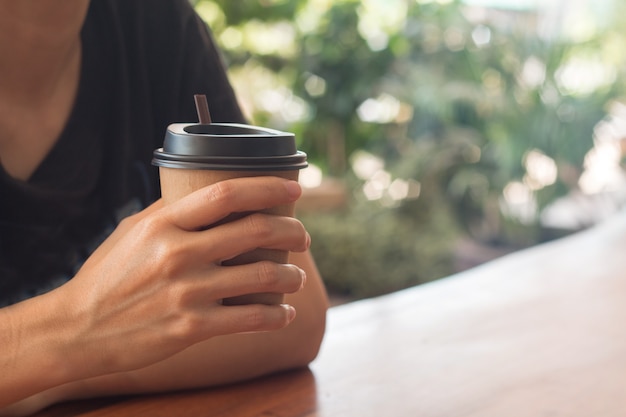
455	131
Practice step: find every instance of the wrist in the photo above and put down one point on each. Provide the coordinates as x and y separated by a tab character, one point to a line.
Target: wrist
35	348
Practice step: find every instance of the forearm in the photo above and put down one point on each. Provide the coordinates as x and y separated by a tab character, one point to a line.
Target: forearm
218	360
146	302
33	355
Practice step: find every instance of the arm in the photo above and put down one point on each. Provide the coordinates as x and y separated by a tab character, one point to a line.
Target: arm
31	358
150	292
218	360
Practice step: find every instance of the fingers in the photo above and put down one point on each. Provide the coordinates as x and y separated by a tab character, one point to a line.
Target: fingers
204	317
214	202
192	250
225	241
252	318
260	231
259	277
204	324
207	290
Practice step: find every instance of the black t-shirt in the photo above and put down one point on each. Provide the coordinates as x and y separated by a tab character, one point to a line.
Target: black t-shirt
142	63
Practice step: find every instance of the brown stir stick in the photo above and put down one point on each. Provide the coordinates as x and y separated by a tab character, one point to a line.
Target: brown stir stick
202	107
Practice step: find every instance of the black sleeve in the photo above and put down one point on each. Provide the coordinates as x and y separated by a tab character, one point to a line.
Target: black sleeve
171	55
184	61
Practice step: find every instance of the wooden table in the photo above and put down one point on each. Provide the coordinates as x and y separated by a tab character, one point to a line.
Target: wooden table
540	333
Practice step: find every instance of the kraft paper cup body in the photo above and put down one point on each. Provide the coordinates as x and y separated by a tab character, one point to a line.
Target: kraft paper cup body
266	153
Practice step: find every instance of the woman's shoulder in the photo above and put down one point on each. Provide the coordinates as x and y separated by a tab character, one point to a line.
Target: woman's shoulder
158	18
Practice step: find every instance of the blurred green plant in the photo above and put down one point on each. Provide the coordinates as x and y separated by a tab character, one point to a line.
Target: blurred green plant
492	119
371	250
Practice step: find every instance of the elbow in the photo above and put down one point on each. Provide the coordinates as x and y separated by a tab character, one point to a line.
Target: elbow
307	333
313	335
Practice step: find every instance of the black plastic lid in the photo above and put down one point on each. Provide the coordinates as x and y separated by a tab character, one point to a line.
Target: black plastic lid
228	146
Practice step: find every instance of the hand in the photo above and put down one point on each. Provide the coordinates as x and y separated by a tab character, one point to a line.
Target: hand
154	287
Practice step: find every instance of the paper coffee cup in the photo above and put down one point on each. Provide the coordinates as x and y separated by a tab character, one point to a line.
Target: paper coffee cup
196	155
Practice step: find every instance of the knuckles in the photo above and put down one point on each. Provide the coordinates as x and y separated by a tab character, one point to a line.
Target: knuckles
274	277
262	227
186	327
220	193
256	319
258	226
163	252
268	275
149	228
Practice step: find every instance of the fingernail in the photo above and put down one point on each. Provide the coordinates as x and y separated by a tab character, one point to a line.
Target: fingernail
293	189
303	277
291	312
308	240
